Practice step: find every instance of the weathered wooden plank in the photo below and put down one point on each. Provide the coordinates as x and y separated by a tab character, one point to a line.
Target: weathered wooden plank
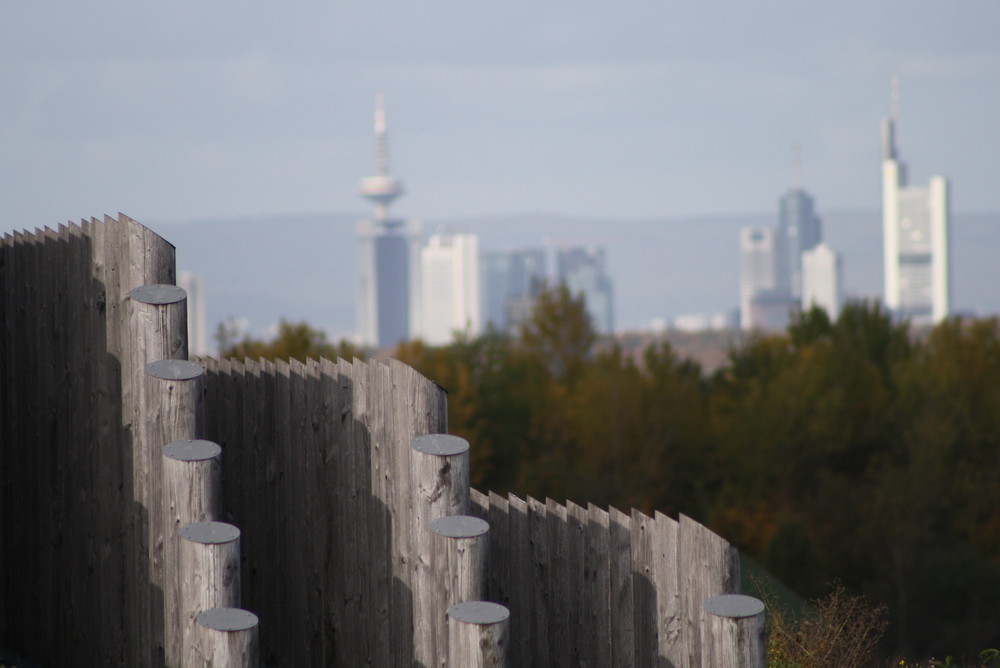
498	515
597	562
558	584
358	523
643	590
283	543
708	568
539	582
668	600
329	556
479	503
578	593
519	551
314	511
299	536
621	596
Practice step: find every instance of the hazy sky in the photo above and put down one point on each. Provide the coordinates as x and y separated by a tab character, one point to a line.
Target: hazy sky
188	110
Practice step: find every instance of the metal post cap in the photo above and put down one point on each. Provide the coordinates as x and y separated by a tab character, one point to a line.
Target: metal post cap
442	445
158	294
191	450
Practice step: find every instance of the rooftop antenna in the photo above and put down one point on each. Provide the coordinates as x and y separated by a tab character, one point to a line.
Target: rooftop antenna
796	166
895	98
889	143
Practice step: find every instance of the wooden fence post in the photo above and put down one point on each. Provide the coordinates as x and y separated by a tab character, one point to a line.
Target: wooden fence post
160	322
192	492
227	638
734	632
440	477
170	409
460	545
478	634
154	327
209	577
440	484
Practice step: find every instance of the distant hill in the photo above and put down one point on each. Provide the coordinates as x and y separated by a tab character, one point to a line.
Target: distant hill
304	267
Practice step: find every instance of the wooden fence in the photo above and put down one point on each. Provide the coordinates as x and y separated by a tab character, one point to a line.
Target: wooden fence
349	528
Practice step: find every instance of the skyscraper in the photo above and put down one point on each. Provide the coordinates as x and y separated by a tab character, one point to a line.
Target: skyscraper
511	280
915	223
194	286
800	229
821	280
765	299
388	263
582	270
449	269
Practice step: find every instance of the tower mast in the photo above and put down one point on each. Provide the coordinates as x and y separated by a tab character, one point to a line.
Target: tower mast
381	189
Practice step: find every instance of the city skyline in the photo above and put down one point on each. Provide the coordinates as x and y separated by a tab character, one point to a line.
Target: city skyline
197	112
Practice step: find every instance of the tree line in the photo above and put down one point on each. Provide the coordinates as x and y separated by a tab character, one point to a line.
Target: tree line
848	452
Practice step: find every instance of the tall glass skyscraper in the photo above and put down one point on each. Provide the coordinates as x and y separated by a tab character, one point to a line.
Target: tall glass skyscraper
800	229
582	270
510	282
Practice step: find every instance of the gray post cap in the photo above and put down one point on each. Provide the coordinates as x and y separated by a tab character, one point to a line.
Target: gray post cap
157	294
734	605
210	532
442	445
459	526
227	619
192	450
174	369
478	612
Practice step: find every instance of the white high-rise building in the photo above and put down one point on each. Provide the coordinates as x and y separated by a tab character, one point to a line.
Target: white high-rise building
449	265
765	299
821	280
197	338
389	256
915	221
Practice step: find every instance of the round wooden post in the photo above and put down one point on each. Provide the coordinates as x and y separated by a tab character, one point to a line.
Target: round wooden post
155	328
440	484
192	492
478	633
440	476
170	410
461	546
733	635
208	575
458	568
159	321
226	637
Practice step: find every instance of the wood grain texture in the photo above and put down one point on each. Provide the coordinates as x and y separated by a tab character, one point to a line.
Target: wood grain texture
192	492
208	577
478	635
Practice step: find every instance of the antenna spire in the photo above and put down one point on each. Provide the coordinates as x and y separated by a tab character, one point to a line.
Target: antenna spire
796	166
895	98
381	189
381	142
